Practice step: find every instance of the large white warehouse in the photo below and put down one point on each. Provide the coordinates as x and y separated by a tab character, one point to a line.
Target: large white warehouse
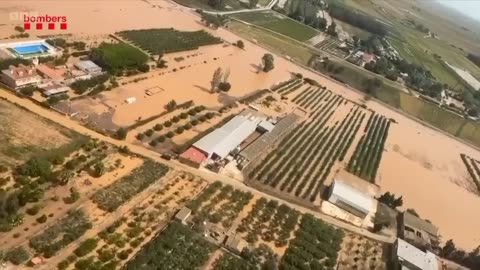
350	199
220	142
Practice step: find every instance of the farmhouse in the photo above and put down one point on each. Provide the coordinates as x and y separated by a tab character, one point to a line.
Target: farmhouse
350	199
417	231
236	244
88	67
408	257
183	214
21	76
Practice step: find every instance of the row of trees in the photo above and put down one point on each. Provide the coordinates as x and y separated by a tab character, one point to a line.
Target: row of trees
358	19
233	201
366	158
122	190
177	247
62	233
315	246
276	161
342	136
312	101
472	168
270	221
468	259
285	92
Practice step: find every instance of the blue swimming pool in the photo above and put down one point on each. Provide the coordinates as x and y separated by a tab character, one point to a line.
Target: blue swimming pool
31	49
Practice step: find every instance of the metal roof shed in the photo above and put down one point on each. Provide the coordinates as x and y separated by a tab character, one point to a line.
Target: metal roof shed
350	199
223	140
413	258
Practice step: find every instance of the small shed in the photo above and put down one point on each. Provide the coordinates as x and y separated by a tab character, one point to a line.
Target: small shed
265	126
236	243
130	100
350	199
183	214
88	66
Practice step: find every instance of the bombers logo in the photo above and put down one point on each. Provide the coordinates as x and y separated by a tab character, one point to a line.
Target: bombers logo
38	21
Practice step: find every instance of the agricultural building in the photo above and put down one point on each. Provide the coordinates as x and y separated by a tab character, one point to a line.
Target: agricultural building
219	143
417	231
267	139
193	157
183	214
21	76
408	257
236	244
88	67
350	199
52	88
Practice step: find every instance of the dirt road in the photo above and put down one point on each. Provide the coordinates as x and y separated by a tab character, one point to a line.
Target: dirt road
210	176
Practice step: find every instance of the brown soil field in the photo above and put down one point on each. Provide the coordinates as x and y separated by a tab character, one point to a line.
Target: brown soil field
421	164
23	134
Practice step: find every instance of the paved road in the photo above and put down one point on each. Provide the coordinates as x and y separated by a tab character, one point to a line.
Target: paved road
208	175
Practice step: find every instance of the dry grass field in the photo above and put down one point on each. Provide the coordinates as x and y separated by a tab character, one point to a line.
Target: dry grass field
24	134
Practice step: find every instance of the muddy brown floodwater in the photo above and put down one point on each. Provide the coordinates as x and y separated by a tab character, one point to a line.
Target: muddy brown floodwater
420	164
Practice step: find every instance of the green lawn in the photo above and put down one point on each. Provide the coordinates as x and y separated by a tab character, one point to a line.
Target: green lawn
278	23
420	55
272	41
203	4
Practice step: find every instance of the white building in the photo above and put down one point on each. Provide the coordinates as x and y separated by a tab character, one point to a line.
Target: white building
350	199
220	142
21	76
408	257
89	67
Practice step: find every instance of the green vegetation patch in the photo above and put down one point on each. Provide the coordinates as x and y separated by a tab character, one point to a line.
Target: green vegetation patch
278	23
118	56
366	158
60	234
233	201
315	246
273	41
168	40
177	247
122	190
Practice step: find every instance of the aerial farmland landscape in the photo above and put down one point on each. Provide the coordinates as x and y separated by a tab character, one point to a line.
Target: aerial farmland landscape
235	134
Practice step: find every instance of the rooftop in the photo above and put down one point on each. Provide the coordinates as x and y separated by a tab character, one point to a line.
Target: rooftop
358	183
352	196
416	257
183	214
418	223
236	243
224	139
20	72
87	64
194	155
52	73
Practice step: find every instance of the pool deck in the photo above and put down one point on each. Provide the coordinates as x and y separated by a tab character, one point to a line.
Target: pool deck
9	48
